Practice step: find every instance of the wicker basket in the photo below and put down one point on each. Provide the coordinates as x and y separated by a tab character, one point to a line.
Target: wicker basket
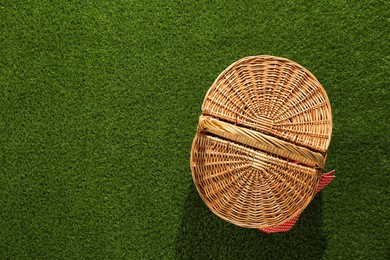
261	116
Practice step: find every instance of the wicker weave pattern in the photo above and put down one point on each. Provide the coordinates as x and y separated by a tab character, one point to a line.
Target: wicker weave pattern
261	115
275	96
249	187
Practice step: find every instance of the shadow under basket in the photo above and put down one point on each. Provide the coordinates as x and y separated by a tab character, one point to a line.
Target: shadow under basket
258	156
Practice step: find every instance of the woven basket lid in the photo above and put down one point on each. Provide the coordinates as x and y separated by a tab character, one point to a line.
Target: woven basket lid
261	142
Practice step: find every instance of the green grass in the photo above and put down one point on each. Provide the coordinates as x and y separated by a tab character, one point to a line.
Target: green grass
99	102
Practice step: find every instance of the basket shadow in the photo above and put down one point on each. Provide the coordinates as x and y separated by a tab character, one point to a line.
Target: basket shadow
203	235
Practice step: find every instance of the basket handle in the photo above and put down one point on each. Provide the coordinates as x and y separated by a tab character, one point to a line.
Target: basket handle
262	141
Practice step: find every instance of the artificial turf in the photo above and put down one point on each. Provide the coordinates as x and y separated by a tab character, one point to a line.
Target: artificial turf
99	102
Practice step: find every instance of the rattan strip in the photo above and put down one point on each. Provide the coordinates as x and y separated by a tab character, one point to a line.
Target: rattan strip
261	141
